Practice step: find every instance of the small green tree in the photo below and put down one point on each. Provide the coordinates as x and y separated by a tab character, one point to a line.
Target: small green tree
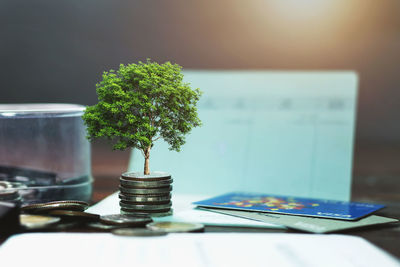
141	103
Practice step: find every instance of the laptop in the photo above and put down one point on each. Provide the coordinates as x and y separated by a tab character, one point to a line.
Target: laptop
275	132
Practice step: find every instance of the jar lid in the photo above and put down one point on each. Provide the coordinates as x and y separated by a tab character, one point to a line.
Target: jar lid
40	110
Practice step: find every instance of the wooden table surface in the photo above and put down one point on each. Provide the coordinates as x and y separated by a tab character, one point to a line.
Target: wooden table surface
376	175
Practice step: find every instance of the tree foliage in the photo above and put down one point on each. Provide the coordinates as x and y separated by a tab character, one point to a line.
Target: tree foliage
141	103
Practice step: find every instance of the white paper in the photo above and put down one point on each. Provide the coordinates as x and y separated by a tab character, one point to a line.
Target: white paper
273	132
202	250
183	211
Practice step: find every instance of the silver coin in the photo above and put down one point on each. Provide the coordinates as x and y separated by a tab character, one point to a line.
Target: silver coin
9	194
37	221
75	215
175	227
129	190
153	176
146	195
7	184
55	205
129	205
145	184
142	211
63	226
145	199
151	214
102	226
121	219
4	185
137	232
9	191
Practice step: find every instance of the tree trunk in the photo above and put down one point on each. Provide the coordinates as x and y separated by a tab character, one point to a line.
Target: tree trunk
146	161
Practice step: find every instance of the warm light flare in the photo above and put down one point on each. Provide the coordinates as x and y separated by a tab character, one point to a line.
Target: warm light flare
294	10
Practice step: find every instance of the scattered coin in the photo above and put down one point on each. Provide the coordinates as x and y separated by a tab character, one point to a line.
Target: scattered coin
65	225
37	221
6	195
145	198
9	191
125	220
154	176
145	184
7	184
76	215
175	227
103	227
142	191
3	185
55	205
138	232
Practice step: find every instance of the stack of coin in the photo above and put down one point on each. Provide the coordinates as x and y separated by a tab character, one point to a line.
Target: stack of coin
145	194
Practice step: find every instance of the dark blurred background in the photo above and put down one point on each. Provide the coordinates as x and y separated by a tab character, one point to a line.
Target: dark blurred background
55	51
